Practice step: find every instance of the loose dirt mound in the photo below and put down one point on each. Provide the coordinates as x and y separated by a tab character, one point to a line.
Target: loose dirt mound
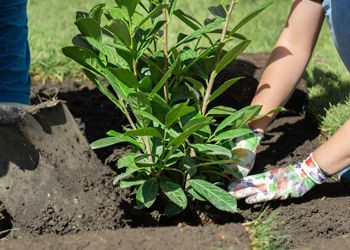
216	237
51	182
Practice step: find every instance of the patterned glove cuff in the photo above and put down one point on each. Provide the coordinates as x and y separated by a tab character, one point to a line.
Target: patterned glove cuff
313	170
258	134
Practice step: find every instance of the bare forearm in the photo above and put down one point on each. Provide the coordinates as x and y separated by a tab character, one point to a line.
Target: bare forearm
286	65
289	58
334	155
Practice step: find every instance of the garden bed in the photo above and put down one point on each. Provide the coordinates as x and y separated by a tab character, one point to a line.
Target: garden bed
322	213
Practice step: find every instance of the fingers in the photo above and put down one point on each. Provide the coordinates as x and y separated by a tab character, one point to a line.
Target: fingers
245	192
259	197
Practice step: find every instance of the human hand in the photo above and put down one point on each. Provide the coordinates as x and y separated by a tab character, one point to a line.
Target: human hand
245	148
279	183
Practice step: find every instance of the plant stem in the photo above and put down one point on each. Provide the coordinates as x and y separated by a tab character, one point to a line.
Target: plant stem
145	140
165	51
127	115
214	74
134	66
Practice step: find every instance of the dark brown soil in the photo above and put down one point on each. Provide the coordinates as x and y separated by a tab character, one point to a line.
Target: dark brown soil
339	242
322	213
231	236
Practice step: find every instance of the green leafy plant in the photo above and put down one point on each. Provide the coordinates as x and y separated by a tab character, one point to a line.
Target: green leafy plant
182	145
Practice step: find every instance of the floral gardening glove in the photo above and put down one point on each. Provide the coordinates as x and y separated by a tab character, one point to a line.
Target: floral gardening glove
245	148
279	183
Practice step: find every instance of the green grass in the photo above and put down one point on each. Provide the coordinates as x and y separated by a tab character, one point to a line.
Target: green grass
265	232
51	28
336	114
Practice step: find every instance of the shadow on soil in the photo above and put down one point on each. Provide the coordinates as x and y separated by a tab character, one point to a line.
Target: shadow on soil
16	149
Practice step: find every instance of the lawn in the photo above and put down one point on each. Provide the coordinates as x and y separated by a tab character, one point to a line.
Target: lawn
51	28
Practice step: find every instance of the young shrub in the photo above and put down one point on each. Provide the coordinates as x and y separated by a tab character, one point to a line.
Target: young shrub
181	149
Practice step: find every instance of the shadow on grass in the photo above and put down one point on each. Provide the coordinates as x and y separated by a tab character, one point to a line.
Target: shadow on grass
327	89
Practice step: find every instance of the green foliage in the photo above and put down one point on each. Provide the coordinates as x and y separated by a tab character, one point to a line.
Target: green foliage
181	149
336	116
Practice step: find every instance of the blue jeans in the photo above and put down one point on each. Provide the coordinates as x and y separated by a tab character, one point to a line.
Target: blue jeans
15	80
338	16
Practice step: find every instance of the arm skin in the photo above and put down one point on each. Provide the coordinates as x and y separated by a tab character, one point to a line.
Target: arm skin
286	65
289	58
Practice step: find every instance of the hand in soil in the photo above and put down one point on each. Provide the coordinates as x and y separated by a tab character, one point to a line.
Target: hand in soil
245	148
279	183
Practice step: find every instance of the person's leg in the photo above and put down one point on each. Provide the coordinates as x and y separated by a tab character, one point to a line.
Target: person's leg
338	17
15	80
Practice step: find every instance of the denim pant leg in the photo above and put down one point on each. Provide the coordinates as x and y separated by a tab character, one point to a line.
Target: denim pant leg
338	16
15	80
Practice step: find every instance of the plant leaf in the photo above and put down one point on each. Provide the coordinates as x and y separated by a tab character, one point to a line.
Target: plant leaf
119	87
96	12
219	162
149	116
247	115
235	116
221	111
212	149
224	87
239	36
127	160
172	209
109	52
218	10
109	141
176	112
89	27
201	31
172	6
120	30
195	195
221	199
153	13
139	102
250	16
129	5
124	175
231	55
144	132
196	84
131	182
126	77
101	86
162	81
232	134
84	57
174	192
187	19
147	193
189	130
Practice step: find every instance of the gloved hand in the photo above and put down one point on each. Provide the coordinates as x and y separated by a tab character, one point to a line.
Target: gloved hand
245	149
279	183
